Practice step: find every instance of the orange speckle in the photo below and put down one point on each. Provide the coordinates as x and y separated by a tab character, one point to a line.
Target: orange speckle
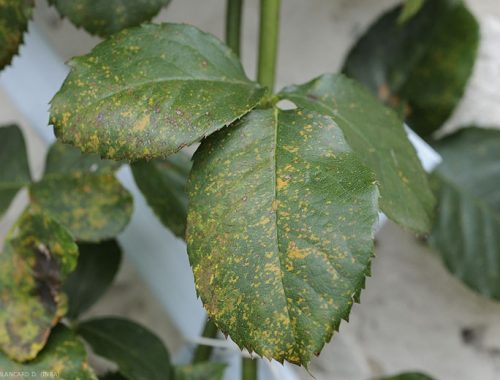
281	184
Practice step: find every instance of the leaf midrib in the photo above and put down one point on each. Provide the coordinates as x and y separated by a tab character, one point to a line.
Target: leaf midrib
277	235
166	80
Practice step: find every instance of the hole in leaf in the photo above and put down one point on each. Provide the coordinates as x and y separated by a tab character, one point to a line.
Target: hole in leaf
286	105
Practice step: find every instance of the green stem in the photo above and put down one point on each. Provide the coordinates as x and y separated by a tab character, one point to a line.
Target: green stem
234	12
249	369
268	42
202	352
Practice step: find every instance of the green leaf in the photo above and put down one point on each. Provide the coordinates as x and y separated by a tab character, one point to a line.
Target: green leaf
112	376
37	257
467	228
97	267
410	9
139	354
149	91
280	229
14	17
408	376
378	137
14	168
421	66
93	207
66	159
63	357
163	183
105	17
201	371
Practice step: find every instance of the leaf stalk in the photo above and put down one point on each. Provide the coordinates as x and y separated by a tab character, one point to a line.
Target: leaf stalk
203	353
249	369
268	42
234	11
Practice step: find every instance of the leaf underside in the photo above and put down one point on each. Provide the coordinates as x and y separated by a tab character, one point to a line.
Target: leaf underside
14	167
105	17
14	17
466	231
37	257
148	91
422	67
378	137
280	227
64	356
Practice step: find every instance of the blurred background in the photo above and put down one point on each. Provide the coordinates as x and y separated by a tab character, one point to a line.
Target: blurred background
414	315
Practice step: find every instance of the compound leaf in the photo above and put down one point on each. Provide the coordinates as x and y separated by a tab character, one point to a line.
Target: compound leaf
139	354
14	168
149	91
378	137
14	17
421	67
280	226
105	17
163	184
93	207
467	228
96	270
37	257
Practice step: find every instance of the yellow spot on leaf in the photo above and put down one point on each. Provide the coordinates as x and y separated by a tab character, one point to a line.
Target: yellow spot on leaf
142	124
297	253
65	119
281	184
264	220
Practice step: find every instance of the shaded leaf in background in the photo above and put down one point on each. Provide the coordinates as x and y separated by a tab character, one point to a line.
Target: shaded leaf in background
112	376
467	228
96	269
280	227
410	9
66	159
105	17
423	65
139	354
377	136
14	17
408	376
14	167
93	207
37	257
201	371
148	92
64	356
163	183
